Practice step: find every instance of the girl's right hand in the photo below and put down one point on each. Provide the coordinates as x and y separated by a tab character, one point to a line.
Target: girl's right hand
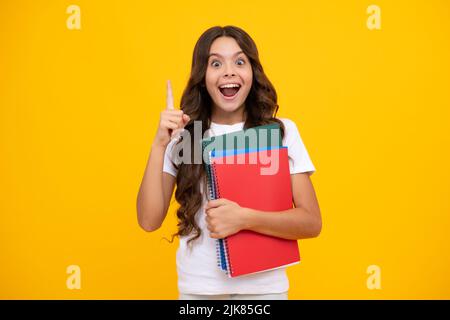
171	121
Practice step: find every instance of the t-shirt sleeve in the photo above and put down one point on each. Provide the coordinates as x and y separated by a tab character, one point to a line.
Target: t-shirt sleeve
168	165
299	160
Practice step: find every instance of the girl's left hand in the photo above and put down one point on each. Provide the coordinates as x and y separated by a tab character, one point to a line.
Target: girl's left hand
224	217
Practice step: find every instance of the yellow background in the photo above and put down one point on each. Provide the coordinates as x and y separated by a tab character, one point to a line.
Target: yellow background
79	109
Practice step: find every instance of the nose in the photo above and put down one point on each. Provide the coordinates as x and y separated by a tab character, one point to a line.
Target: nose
229	74
229	71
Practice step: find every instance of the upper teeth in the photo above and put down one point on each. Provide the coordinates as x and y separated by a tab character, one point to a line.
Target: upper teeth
231	85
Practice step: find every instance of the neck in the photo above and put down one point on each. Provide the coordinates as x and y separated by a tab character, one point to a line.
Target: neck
222	117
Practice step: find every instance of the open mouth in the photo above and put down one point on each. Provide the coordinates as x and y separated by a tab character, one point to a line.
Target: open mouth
229	91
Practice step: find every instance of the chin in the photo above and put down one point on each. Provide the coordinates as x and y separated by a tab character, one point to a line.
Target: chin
229	107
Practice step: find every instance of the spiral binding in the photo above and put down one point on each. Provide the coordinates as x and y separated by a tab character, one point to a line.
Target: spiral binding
210	186
220	249
219	261
211	191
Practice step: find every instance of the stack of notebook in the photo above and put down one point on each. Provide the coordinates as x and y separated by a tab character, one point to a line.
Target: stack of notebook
251	168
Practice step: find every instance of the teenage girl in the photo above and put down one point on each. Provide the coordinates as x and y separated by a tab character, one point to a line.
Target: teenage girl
227	91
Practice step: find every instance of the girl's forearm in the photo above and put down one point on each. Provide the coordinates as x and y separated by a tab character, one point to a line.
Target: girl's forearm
150	201
295	223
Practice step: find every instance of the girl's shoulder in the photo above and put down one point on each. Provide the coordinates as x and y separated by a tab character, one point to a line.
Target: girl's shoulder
289	125
299	160
291	133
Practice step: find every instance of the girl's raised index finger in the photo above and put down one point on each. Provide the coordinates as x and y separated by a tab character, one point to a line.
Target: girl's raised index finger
169	96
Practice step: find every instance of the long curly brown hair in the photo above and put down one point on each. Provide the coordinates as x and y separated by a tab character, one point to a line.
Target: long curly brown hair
260	109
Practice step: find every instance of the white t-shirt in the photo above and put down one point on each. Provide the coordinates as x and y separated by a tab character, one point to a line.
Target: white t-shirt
197	268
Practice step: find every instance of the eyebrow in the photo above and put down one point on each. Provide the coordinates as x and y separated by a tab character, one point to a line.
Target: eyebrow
219	55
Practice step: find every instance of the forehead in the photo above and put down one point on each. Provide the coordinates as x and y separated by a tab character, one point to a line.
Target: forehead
225	46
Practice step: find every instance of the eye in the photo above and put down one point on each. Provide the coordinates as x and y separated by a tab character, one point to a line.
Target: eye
241	60
214	63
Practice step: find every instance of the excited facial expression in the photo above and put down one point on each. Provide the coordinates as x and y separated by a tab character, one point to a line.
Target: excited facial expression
228	75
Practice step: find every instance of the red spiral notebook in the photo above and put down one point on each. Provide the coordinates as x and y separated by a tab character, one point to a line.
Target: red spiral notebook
250	252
